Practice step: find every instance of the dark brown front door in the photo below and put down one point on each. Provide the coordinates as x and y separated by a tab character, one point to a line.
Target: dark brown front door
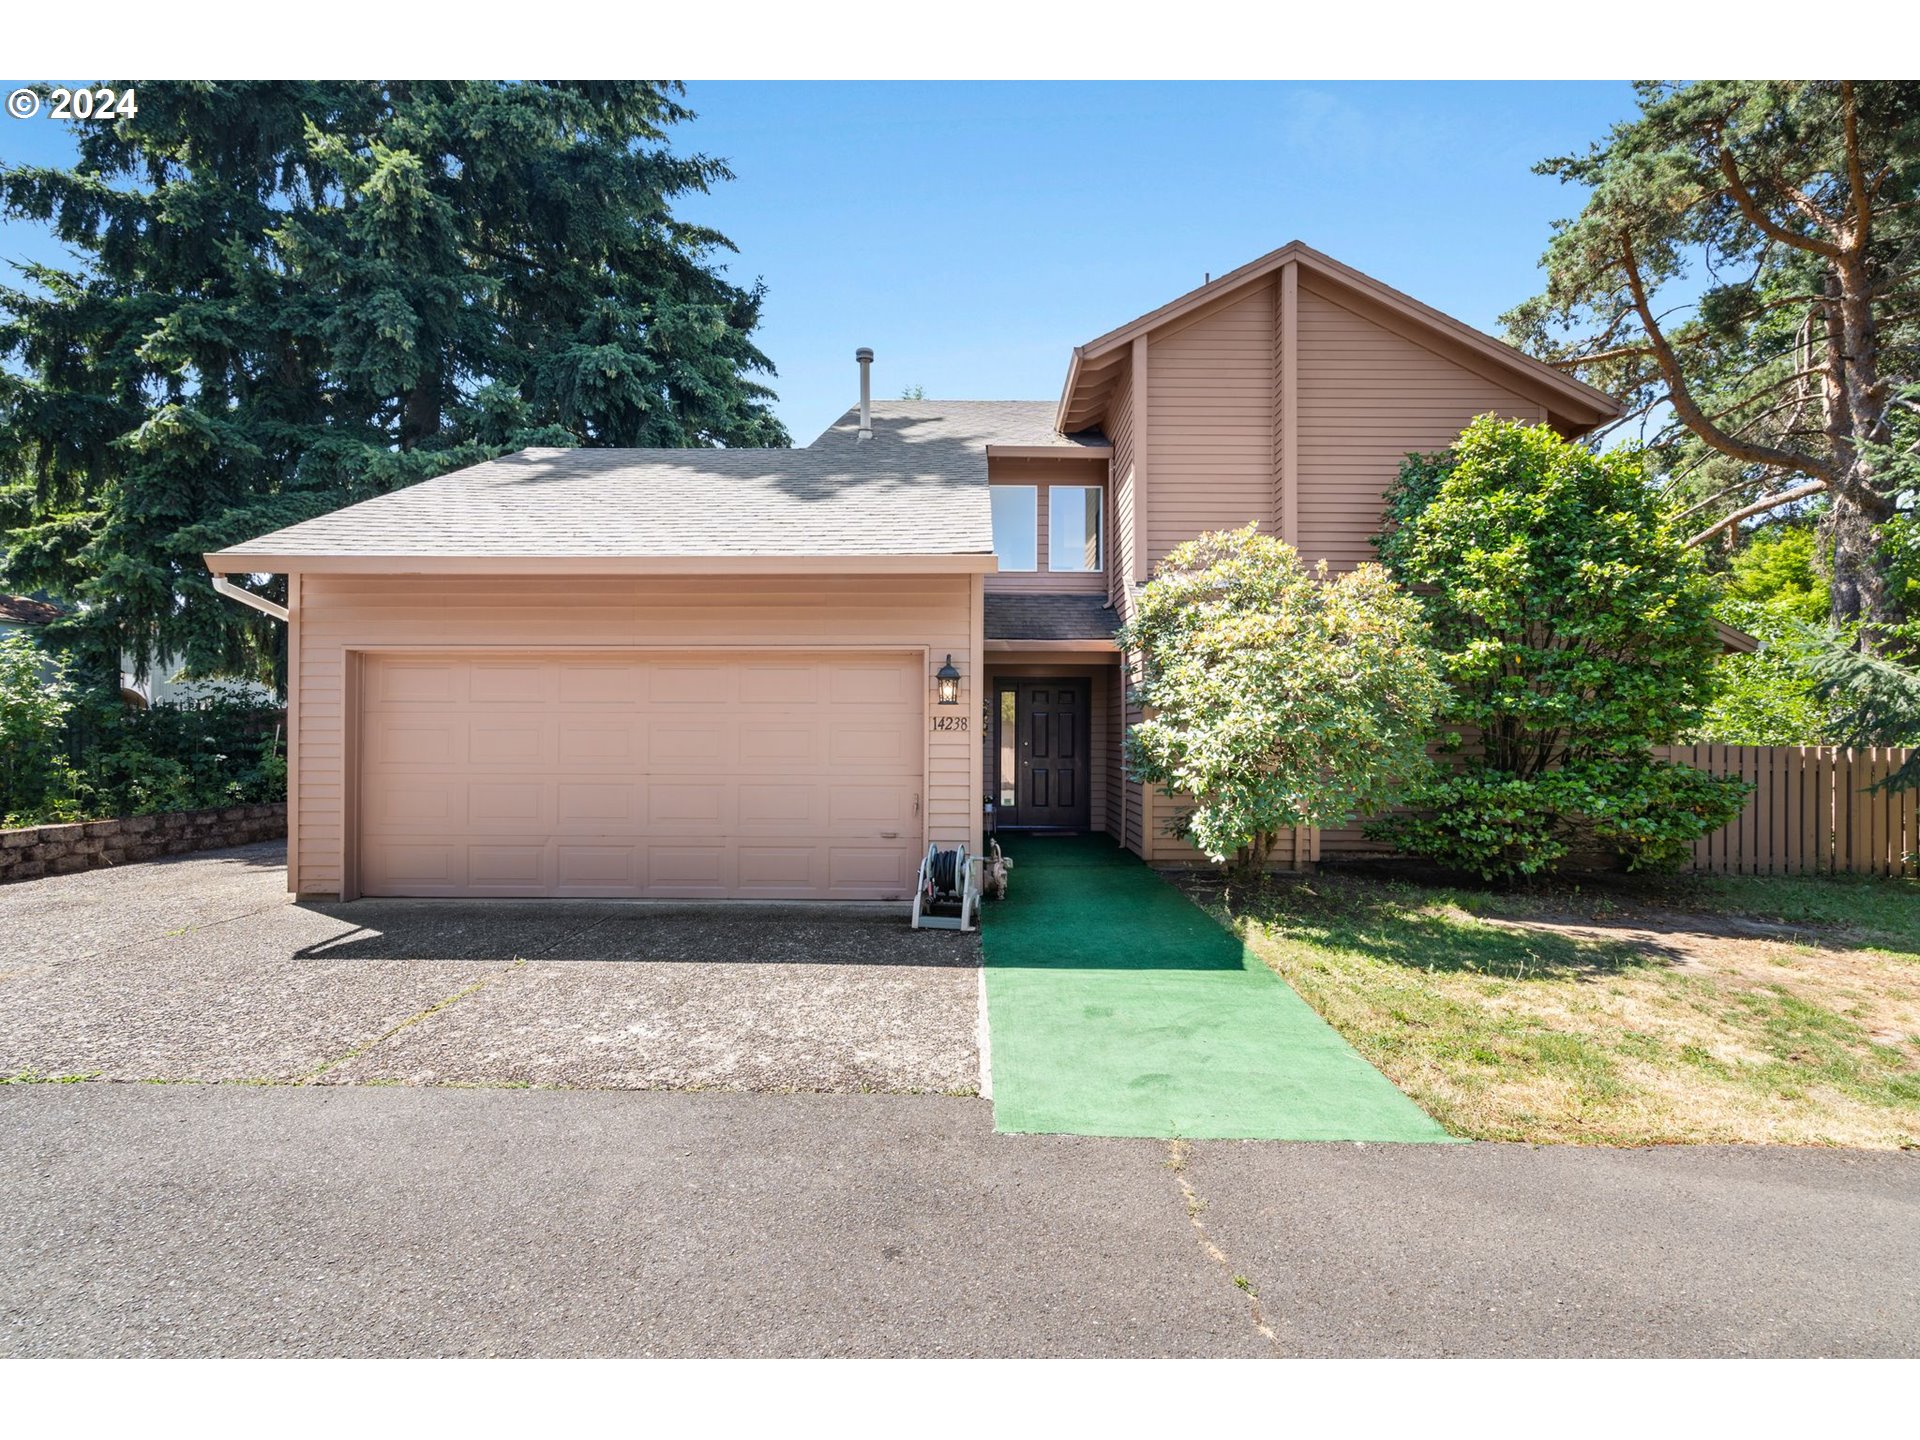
1041	755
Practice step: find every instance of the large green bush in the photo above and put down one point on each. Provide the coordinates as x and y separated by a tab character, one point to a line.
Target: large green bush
1276	698
1575	633
1767	698
35	697
223	748
1772	590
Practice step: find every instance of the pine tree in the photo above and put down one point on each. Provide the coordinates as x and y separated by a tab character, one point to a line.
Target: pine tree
295	295
1790	207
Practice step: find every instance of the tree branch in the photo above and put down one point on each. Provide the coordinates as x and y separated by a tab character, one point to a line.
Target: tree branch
1574	362
1682	397
1759	218
1745	484
1810	208
1856	175
1759	507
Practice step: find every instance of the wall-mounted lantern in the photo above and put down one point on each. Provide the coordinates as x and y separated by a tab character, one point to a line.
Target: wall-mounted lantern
949	679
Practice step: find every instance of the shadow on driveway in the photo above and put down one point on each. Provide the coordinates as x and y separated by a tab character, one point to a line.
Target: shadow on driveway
683	932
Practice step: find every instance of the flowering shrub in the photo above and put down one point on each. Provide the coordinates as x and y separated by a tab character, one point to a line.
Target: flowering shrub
1275	697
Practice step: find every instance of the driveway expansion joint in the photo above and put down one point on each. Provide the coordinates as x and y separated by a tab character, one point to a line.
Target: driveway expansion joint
313	1076
519	963
166	935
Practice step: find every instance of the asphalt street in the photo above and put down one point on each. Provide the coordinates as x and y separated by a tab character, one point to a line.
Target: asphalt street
330	1220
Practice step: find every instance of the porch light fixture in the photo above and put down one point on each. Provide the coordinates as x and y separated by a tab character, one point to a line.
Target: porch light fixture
949	679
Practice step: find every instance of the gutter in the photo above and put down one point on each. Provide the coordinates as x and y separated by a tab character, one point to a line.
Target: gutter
226	587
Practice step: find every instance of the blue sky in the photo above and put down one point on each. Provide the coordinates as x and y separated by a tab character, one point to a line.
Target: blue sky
974	233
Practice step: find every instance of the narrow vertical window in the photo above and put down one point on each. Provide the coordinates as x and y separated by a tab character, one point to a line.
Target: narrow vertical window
1009	759
1016	534
1075	541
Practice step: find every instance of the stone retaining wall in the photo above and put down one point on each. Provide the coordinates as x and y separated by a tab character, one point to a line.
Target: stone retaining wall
93	844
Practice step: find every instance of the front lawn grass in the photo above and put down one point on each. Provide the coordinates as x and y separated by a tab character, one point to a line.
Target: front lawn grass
1726	1009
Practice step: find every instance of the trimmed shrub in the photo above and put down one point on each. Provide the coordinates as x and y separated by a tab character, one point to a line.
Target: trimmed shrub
1575	632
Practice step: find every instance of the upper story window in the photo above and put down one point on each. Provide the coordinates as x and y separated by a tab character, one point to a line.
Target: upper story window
1075	532
1016	530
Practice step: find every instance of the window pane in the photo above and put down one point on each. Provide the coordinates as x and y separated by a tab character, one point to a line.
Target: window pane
1009	763
1073	527
1015	533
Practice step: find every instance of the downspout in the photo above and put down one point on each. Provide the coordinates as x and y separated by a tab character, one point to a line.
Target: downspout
226	587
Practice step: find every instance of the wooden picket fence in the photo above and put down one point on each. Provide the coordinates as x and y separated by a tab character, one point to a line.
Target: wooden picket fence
1810	812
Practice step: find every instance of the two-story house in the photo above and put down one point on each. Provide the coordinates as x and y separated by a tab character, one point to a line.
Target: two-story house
783	673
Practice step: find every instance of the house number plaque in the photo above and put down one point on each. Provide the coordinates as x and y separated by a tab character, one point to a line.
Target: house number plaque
950	722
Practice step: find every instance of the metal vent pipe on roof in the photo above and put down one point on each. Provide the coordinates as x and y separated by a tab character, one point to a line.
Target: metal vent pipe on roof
865	357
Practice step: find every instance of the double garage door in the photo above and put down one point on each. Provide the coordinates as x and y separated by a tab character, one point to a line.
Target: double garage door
765	776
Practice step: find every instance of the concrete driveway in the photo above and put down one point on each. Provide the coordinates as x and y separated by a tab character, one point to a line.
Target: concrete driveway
200	968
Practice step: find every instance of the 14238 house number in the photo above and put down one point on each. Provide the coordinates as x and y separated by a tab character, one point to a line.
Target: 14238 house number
950	722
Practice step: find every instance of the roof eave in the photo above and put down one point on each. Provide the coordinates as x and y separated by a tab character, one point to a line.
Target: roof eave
1049	452
1087	650
1066	391
228	562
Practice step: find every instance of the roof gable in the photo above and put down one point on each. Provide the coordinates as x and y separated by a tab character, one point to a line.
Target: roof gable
1096	365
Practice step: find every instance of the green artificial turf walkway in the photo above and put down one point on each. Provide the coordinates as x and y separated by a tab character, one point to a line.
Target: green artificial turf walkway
1117	1007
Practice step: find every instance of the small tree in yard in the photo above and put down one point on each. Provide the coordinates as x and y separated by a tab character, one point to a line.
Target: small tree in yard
1576	632
1276	698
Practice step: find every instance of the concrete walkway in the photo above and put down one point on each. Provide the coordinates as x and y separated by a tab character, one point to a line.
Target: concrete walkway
238	1220
1116	1007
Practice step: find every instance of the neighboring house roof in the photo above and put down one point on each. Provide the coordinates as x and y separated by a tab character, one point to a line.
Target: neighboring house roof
22	610
915	494
1095	365
1022	615
1735	640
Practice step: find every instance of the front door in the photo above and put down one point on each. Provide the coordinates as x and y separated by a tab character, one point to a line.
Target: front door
1041	766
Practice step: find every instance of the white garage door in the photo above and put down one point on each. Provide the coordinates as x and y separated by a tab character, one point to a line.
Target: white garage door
777	776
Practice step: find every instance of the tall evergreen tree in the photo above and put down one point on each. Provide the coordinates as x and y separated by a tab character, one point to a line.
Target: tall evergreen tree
1789	208
294	295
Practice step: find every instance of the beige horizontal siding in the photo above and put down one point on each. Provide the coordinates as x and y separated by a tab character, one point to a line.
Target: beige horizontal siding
1119	430
1369	396
341	613
1171	851
1132	793
1210	423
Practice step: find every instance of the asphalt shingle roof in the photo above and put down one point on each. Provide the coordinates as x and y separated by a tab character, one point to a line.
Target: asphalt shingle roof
1022	615
973	424
919	487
